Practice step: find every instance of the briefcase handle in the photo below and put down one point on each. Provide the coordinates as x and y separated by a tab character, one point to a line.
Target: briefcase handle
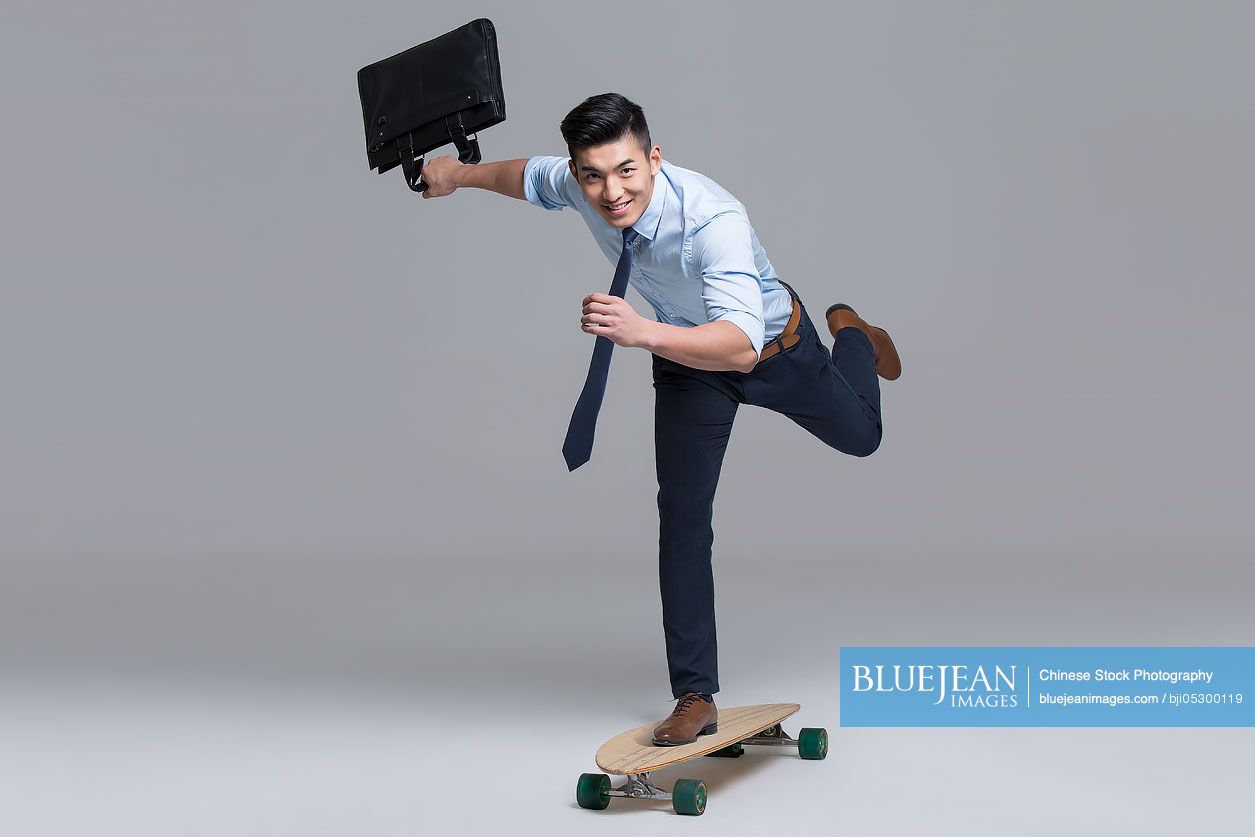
468	151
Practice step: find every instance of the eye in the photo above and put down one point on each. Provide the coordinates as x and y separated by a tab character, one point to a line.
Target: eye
628	171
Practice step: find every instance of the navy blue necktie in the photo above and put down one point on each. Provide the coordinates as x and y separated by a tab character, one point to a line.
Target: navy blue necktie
578	447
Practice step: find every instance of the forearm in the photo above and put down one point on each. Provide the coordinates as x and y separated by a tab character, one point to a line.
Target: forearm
505	177
718	346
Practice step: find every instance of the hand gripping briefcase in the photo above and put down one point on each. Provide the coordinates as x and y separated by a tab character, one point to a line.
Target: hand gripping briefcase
439	92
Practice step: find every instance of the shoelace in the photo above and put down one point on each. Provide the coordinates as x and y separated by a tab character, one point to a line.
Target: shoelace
686	702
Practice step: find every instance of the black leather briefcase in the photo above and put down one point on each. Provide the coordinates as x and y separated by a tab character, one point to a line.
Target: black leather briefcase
436	93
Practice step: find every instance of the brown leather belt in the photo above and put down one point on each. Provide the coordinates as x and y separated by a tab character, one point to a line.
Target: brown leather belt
789	336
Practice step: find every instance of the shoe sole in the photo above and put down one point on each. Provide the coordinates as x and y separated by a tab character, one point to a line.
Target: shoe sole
708	730
897	361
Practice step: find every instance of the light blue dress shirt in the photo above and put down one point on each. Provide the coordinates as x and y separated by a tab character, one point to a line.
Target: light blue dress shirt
698	259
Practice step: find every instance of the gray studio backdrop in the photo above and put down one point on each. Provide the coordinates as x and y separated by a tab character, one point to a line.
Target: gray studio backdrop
274	424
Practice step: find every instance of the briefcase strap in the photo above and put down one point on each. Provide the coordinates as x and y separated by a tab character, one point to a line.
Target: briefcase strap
468	151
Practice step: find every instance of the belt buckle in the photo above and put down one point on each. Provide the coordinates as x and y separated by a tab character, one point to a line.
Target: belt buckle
778	340
762	356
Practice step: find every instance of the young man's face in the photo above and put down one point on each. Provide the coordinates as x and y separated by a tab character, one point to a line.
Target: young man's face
617	178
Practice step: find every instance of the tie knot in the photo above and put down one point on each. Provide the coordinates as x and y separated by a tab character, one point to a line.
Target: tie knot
629	235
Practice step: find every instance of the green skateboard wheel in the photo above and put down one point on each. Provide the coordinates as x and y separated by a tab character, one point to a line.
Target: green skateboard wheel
592	791
689	796
812	743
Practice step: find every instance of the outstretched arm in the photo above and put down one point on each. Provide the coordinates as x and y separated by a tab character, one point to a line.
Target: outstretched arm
444	175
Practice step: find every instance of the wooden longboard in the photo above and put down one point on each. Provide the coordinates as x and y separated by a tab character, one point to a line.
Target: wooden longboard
634	751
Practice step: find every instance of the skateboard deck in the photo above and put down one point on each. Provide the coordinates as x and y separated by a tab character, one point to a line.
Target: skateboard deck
633	754
634	751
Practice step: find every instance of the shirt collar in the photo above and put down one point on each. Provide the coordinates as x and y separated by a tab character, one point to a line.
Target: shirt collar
647	224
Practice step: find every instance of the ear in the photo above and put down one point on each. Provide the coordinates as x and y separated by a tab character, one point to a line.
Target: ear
655	159
571	165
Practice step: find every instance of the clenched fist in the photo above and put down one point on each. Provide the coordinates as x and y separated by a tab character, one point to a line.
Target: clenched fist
610	316
441	176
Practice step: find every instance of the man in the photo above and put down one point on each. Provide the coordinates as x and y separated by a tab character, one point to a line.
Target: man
728	332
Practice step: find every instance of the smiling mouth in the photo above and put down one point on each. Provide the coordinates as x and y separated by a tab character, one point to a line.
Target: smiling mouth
618	207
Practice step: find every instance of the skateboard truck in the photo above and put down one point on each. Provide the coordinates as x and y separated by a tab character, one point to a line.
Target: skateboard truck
774	736
638	786
687	796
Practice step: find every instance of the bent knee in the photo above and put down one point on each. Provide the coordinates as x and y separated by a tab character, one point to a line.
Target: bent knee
869	444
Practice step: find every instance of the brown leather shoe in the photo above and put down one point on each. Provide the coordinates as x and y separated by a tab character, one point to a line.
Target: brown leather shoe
692	717
888	364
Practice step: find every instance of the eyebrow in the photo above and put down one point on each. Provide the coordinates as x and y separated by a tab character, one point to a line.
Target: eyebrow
587	167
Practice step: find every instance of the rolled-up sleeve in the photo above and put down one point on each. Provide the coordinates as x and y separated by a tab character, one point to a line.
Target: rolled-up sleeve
547	182
723	254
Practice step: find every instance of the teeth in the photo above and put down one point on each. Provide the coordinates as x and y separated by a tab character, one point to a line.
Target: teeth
619	205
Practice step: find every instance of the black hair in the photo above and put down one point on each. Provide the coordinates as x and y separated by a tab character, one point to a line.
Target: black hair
603	119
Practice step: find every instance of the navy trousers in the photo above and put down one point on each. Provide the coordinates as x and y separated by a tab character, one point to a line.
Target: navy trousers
835	396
